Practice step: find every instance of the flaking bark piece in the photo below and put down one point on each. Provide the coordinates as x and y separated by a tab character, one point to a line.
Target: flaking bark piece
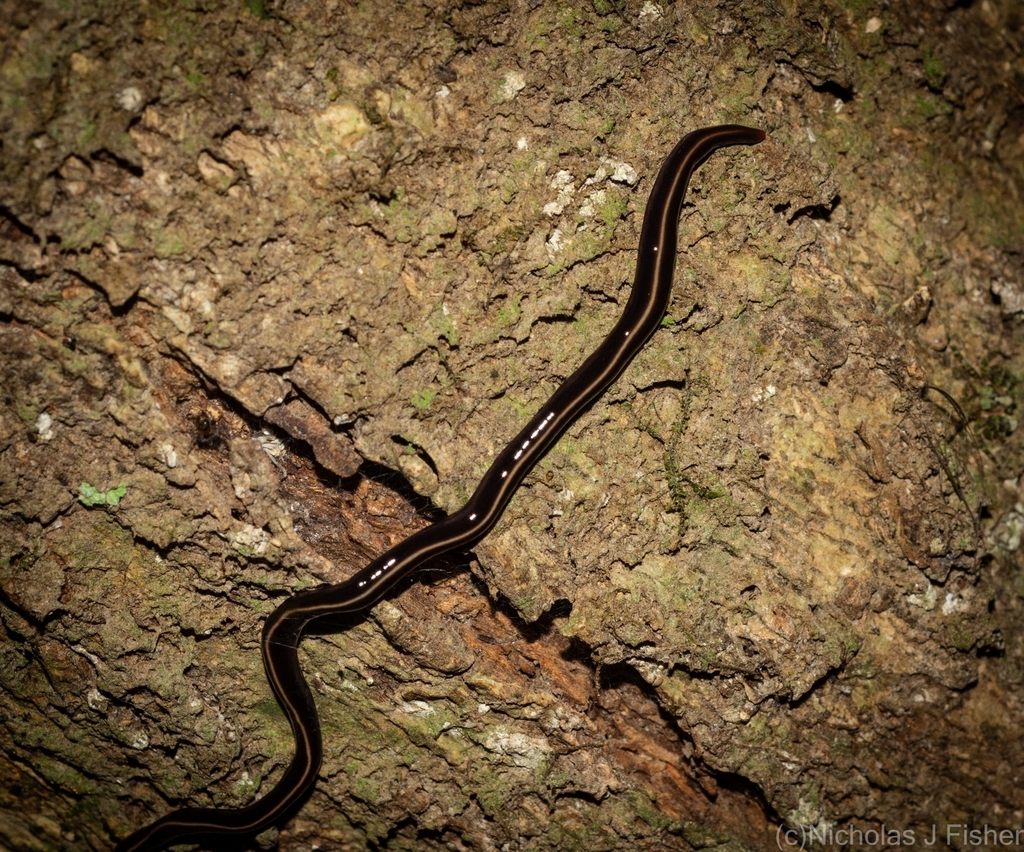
304	423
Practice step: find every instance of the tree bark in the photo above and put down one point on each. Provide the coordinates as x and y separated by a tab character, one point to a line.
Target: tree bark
280	279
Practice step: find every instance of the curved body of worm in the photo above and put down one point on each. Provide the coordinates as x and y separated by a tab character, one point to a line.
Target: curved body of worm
647	303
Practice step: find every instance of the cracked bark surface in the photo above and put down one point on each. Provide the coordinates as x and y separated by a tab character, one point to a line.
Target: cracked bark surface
293	273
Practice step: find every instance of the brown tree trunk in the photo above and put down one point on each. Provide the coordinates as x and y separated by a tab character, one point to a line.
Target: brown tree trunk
273	273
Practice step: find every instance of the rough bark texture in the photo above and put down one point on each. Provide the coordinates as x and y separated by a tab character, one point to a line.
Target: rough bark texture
263	263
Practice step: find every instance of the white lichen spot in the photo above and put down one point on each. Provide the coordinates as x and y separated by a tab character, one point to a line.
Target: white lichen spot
622	173
140	741
522	144
650	11
560	718
953	603
563	183
417	708
129	99
199	296
807	814
44	427
1011	297
597	177
246	785
270	444
443	92
811	137
760	396
251	538
167	455
593	203
94	698
837	106
1009	532
523	751
554	243
873	25
511	85
483	708
925	600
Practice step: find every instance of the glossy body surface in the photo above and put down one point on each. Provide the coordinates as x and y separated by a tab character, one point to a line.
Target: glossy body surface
284	628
